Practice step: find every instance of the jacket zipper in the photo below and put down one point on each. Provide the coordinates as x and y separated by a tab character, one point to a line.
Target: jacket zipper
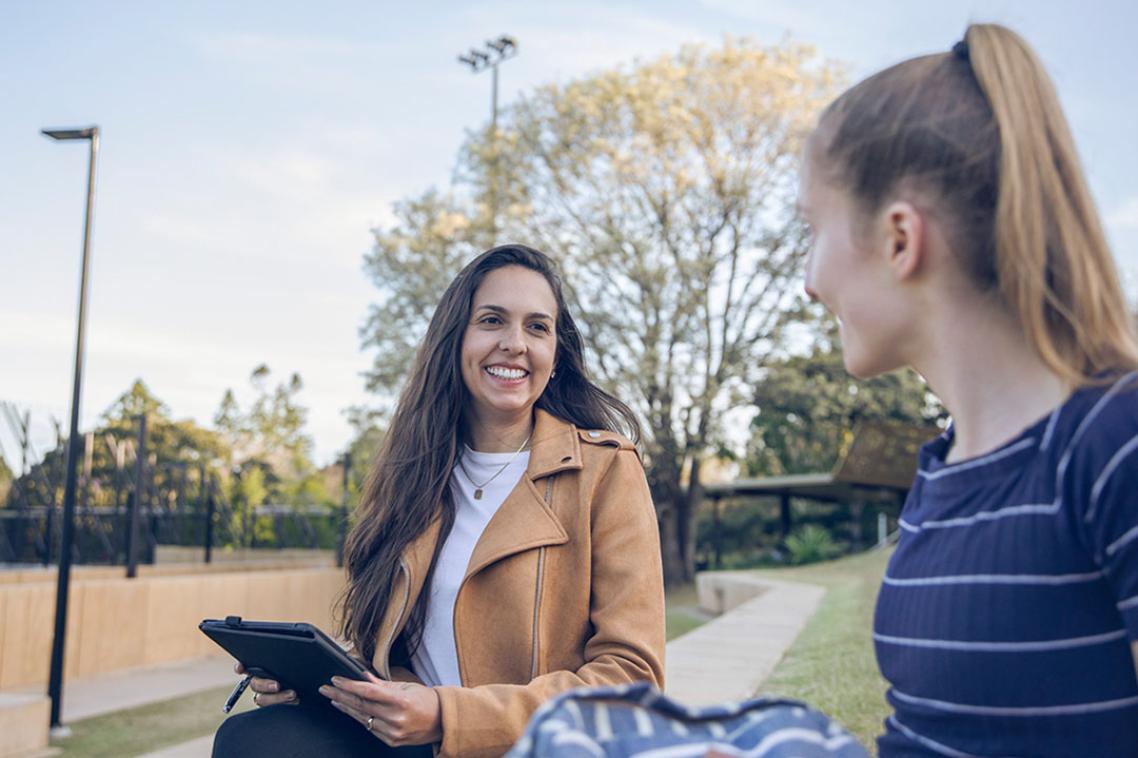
537	592
398	618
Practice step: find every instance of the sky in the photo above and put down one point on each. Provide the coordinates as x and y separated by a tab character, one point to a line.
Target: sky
249	148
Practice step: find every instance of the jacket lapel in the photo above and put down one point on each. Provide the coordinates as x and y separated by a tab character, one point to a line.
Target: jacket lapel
524	521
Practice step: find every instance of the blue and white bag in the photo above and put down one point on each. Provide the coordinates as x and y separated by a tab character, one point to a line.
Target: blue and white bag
637	721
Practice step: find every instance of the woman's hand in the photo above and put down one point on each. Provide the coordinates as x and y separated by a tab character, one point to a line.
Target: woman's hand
267	691
399	713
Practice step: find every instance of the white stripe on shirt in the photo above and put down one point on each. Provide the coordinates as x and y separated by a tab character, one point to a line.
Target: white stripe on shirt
1073	709
1003	647
1109	469
1051	579
981	461
932	745
1033	509
1065	459
1050	428
1129	536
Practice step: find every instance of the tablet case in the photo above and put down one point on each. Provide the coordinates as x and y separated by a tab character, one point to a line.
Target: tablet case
298	655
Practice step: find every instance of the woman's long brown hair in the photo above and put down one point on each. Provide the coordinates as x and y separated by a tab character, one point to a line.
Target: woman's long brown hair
409	484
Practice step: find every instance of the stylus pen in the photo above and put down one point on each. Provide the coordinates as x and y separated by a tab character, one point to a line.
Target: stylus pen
236	694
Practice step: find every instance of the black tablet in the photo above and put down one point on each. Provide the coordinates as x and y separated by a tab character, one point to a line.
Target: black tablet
298	655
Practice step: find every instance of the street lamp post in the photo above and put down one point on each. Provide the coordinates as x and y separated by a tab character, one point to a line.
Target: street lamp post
55	679
478	60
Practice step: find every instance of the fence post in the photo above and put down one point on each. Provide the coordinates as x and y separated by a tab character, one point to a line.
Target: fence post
209	507
136	501
48	529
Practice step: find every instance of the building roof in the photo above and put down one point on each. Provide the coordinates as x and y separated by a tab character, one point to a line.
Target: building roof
879	463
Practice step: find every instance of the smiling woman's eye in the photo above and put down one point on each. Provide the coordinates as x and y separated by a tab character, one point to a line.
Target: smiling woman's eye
491	319
541	326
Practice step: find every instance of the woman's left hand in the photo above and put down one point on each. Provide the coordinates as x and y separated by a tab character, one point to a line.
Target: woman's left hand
399	713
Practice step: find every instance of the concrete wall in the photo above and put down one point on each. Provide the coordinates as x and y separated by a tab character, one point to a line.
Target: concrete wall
116	623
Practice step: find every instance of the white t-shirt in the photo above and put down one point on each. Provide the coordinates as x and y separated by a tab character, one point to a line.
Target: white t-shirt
436	661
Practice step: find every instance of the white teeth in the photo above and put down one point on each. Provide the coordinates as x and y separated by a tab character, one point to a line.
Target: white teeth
505	373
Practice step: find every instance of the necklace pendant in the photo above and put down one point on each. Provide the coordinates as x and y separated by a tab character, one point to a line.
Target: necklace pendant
478	493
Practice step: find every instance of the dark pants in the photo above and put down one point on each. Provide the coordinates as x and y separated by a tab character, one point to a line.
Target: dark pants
293	731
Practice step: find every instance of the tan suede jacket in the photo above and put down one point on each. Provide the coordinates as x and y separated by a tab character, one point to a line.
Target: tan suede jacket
564	589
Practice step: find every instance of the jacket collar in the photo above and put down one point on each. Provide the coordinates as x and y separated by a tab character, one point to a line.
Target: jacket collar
555	446
524	521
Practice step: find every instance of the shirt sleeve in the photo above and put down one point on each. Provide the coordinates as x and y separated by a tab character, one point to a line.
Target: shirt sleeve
1106	482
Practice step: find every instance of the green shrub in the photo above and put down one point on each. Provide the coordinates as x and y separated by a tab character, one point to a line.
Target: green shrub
810	544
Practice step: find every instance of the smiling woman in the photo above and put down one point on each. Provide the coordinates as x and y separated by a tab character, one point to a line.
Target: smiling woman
506	546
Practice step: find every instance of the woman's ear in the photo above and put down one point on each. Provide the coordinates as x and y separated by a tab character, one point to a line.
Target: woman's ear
903	239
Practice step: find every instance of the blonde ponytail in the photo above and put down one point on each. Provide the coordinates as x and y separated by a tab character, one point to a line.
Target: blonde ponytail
981	129
1054	266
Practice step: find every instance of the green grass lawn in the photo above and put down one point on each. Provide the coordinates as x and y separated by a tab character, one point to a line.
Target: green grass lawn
154	726
681	612
831	665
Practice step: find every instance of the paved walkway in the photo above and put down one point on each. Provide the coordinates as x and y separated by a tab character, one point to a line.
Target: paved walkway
131	688
727	658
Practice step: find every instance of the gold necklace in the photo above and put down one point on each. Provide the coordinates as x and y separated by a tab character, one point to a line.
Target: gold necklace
479	487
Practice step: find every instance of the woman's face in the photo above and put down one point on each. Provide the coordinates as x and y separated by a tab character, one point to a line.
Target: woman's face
847	274
510	342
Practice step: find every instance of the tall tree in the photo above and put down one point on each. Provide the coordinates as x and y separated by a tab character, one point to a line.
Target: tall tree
272	429
666	188
175	451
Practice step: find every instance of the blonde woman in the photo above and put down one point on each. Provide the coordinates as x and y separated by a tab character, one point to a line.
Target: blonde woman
954	233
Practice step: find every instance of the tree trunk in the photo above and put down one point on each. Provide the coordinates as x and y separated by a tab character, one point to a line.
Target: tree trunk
717	532
674	570
691	504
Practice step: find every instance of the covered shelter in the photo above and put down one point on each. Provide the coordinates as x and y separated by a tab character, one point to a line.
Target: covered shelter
878	465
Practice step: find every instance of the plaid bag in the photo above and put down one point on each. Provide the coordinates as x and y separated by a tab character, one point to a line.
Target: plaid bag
637	721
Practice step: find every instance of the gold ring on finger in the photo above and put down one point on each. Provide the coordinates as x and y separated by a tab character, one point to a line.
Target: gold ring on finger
255	696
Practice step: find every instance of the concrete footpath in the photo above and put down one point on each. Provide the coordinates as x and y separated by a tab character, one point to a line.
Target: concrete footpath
132	688
728	658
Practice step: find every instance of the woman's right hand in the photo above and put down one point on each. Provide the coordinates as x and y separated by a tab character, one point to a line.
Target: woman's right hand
267	691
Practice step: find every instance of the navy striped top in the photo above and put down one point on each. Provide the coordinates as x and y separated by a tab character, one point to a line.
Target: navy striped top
1007	612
